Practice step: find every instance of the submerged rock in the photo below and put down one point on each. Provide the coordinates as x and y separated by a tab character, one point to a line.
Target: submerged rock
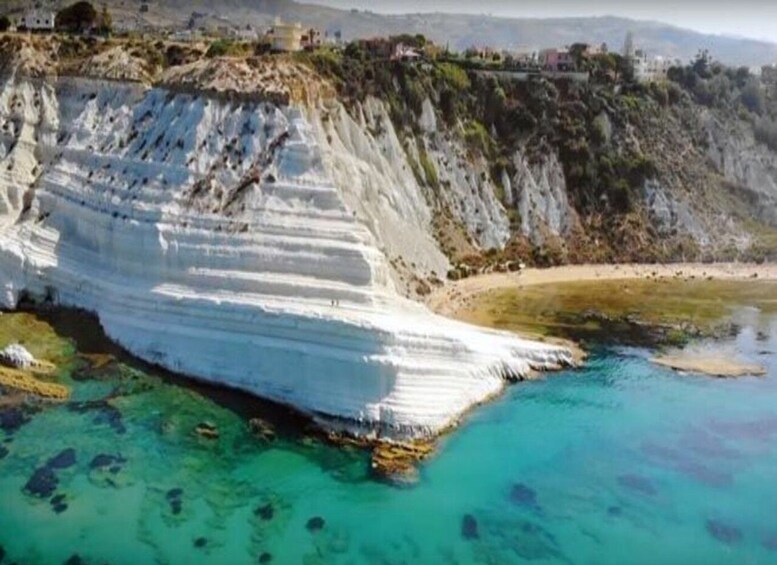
637	484
770	542
173	496
523	495
200	542
11	419
262	429
723	532
106	413
63	460
58	504
469	527
3	451
103	461
265	558
533	543
207	430
43	483
315	524
396	462
265	512
75	559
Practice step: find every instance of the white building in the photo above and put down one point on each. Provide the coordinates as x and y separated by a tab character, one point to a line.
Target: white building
525	55
286	37
37	20
651	69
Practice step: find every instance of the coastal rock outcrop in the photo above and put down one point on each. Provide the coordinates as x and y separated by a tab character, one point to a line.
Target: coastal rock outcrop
16	357
224	239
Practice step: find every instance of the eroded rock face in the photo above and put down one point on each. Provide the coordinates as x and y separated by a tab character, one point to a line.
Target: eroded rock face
16	357
539	193
743	161
221	239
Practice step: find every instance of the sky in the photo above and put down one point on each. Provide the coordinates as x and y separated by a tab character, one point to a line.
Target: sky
746	18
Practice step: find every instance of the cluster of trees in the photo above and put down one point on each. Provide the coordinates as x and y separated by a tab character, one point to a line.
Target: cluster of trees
5	23
82	16
731	89
716	85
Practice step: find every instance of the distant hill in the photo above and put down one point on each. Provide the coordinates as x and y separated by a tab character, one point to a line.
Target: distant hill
457	30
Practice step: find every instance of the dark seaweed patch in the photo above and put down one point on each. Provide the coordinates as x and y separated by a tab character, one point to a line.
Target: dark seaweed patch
42	483
200	542
265	512
173	496
522	495
315	524
104	460
265	558
106	414
770	542
469	527
723	532
637	484
63	460
11	419
58	504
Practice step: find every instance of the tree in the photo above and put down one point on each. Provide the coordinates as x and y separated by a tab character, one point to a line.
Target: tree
752	96
106	22
702	64
5	23
77	17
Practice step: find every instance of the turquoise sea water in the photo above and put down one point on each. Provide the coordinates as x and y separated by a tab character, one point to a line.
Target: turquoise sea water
620	462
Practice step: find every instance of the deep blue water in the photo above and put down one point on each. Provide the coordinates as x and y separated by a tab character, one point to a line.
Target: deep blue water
620	462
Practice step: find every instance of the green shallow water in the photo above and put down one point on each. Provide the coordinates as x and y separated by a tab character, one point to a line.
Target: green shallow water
621	462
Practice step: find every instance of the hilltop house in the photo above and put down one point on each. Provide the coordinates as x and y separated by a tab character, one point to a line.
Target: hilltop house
285	37
524	56
405	53
37	19
311	39
484	54
556	60
651	69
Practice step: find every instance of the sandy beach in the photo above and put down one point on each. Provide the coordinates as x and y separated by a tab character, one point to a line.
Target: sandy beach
448	300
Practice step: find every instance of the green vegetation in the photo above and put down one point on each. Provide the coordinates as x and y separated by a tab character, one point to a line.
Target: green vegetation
229	48
666	312
430	172
5	23
613	137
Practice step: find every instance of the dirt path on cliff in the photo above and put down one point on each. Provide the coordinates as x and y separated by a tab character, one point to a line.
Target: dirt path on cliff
450	299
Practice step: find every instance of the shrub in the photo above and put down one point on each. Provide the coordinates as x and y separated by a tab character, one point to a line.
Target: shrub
753	97
454	76
227	48
430	172
477	137
765	131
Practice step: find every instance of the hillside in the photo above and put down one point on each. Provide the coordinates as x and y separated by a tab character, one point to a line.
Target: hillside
459	31
231	217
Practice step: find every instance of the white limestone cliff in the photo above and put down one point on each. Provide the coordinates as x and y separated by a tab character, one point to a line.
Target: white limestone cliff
242	243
